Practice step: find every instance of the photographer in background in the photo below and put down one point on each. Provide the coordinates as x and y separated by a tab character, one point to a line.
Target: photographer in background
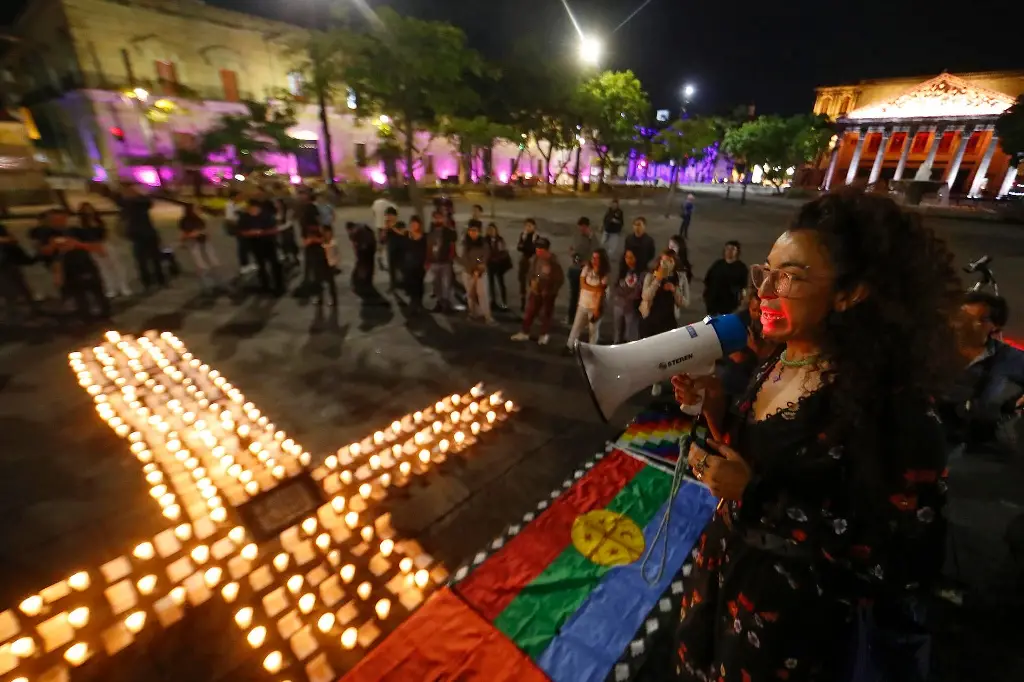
984	406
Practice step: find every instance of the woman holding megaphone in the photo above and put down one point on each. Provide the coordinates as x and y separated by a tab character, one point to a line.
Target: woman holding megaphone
831	467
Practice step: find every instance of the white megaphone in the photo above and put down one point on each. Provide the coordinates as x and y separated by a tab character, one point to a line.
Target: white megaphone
616	373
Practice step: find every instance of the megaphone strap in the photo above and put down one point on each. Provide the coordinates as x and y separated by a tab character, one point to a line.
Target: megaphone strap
661	536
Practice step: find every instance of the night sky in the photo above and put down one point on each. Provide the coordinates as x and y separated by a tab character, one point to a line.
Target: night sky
771	54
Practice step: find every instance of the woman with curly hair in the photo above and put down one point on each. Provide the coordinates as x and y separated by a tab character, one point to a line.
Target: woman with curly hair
831	478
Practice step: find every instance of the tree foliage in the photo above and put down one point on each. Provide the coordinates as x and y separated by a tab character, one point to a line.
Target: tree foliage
412	70
612	106
686	140
247	137
777	144
1010	129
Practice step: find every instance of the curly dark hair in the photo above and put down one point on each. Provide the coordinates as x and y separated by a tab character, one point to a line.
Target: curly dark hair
900	338
604	266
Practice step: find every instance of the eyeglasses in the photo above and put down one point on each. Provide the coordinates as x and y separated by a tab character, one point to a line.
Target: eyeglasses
781	281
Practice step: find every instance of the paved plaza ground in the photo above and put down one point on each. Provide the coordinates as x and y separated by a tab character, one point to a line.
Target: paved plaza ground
70	496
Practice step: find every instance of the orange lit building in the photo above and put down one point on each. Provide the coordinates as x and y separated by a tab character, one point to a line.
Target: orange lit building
939	129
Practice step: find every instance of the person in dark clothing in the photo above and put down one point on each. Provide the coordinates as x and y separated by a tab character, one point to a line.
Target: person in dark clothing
687	216
725	281
73	268
12	279
662	293
257	225
393	238
642	245
830	473
526	248
364	245
307	216
414	262
499	262
286	233
145	240
983	406
94	231
612	226
320	272
197	243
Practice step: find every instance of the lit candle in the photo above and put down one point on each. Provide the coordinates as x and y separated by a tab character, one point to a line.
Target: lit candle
349	638
257	636
135	622
79	617
383	608
364	590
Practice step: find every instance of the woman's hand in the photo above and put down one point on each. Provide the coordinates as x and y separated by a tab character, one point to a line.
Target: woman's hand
688	389
726	474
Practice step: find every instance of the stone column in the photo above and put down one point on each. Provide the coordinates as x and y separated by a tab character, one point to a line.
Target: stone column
1011	175
833	161
982	172
855	161
954	168
925	171
905	153
876	167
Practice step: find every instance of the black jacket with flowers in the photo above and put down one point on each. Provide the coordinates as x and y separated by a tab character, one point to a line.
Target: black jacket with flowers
804	490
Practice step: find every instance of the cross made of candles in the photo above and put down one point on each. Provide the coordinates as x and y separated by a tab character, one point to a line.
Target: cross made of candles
312	570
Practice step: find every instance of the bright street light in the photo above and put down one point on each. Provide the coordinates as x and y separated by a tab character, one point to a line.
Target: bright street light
141	93
590	51
688	91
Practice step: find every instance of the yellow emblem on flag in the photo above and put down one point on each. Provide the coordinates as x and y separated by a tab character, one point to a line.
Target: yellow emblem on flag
607	538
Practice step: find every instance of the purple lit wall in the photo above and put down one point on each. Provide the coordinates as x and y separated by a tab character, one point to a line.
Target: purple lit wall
640	169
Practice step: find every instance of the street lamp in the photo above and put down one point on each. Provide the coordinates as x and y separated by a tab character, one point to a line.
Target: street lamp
590	50
688	91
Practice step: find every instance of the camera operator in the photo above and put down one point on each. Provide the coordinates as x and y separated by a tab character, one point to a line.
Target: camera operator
983	407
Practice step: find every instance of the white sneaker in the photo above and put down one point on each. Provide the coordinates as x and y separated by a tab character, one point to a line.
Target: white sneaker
543	340
520	336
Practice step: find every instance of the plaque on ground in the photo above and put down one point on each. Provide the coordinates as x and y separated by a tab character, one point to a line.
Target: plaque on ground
289	503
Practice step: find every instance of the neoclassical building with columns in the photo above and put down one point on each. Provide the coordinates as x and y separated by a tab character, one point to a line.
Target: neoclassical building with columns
940	129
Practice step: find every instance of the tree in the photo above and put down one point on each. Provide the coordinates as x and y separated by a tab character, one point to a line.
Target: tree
412	70
687	140
778	144
1010	129
612	106
245	138
474	139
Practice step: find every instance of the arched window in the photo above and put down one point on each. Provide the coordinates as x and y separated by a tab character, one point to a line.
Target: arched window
844	108
824	105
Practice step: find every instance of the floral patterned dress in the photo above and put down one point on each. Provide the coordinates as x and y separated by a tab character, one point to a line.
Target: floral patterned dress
771	584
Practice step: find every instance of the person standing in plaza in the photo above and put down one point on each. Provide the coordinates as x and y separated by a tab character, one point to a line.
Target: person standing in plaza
286	231
70	262
526	248
498	263
664	292
580	249
475	254
440	257
612	229
414	262
93	230
259	226
544	279
233	209
380	208
725	281
393	237
642	244
686	215
315	239
145	240
364	245
626	299
197	243
12	279
591	306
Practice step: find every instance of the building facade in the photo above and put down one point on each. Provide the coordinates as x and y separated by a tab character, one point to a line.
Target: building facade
76	65
937	129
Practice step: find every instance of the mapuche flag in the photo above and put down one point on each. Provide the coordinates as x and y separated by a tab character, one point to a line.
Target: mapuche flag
568	588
